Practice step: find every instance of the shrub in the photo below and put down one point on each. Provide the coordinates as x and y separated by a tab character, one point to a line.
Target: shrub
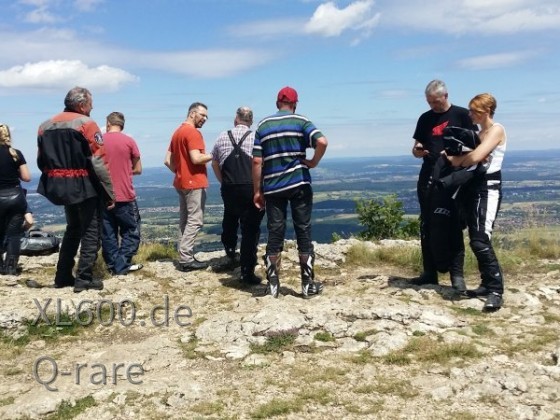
384	219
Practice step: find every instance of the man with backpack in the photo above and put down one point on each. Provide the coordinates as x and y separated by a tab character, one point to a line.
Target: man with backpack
232	164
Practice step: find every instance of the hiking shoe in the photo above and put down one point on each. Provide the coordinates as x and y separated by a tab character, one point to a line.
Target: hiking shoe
80	286
250	278
458	283
478	292
310	290
195	265
231	254
273	289
493	302
64	283
135	267
425	278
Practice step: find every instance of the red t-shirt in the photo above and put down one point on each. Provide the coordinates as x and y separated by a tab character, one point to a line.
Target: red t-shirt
120	151
188	176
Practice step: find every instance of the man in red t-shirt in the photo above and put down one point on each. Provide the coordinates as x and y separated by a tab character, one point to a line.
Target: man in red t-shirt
123	220
187	159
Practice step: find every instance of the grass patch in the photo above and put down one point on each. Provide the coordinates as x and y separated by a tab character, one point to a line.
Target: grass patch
394	387
363	335
370	407
276	343
278	407
155	252
535	342
549	318
66	411
208	408
7	401
363	357
521	251
362	255
483	330
426	350
189	348
467	311
324	337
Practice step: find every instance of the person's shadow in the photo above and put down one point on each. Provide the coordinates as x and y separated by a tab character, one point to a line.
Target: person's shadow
445	291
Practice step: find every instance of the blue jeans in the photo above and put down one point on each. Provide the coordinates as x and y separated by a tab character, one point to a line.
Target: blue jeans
301	204
124	221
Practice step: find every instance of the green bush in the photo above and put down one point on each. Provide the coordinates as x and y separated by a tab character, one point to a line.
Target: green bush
384	219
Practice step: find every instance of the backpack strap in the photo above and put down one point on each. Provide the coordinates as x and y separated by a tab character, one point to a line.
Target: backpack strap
237	146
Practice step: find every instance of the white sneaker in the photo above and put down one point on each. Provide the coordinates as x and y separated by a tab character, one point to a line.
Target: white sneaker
135	267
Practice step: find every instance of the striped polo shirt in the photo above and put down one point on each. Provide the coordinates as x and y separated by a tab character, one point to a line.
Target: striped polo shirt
281	140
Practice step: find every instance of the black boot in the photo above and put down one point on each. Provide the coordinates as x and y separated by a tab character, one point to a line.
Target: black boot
458	283
427	277
309	287
248	276
11	265
2	267
272	264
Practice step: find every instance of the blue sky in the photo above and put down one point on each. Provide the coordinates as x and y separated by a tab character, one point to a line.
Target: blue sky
360	67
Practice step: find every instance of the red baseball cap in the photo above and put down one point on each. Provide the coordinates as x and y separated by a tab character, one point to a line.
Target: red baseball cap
287	94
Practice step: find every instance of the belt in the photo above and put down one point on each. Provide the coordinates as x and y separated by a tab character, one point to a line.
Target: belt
67	173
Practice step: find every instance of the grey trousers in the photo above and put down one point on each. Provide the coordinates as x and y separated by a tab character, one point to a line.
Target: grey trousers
191	218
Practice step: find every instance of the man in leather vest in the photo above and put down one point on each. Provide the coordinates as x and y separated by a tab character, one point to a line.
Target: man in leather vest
71	158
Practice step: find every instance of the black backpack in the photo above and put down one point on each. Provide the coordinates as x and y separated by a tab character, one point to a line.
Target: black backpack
37	242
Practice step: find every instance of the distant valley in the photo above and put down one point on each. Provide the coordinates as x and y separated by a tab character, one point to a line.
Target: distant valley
531	195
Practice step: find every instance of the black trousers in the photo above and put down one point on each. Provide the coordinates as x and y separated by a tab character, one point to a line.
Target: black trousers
483	202
83	230
12	208
239	210
301	205
441	230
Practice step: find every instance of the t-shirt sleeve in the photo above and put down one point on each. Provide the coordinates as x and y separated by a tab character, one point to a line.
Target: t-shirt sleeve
21	158
195	141
312	133
257	148
134	151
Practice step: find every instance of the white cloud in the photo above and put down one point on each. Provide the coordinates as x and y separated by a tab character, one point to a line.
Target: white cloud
64	73
328	20
268	28
63	46
87	5
494	61
41	15
202	64
474	16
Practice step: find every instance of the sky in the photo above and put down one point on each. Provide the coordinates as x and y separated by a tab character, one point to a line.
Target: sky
360	67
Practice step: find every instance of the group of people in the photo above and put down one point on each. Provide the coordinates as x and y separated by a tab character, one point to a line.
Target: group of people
475	204
259	171
90	174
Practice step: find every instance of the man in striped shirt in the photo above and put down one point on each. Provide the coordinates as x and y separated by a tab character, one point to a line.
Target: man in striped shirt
281	175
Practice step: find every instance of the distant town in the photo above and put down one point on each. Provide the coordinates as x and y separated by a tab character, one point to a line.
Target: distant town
531	196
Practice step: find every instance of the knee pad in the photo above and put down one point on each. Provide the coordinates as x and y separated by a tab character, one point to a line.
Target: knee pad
478	245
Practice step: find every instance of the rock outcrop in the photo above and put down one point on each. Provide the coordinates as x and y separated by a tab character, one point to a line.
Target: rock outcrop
159	343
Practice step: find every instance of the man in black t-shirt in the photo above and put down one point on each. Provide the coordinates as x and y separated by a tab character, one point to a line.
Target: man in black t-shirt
428	144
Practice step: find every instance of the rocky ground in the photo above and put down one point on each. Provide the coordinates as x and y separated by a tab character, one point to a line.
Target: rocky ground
372	346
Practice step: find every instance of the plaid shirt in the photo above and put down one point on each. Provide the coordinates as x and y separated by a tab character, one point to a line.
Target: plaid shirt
223	147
